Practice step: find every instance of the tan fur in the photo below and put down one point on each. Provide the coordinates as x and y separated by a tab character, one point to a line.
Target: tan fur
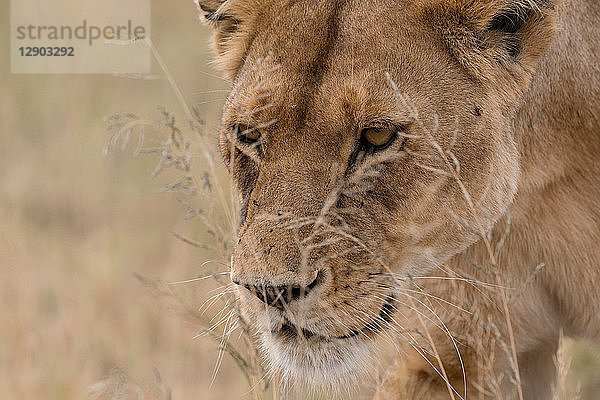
504	116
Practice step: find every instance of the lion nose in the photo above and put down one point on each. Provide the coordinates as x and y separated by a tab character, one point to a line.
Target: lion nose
281	295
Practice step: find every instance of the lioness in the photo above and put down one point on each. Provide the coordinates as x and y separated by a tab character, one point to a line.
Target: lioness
422	171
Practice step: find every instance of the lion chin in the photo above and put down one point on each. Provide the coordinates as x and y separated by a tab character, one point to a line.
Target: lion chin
317	363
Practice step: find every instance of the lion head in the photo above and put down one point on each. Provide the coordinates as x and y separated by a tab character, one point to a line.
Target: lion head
366	139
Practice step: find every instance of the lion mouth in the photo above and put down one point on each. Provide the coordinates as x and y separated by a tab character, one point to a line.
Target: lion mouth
290	331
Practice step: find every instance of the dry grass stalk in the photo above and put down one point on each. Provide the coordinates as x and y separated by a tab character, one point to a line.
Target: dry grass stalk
174	152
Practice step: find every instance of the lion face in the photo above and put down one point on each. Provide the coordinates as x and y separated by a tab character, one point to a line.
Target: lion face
369	142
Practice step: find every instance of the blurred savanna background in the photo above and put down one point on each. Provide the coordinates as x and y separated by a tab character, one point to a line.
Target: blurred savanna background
89	241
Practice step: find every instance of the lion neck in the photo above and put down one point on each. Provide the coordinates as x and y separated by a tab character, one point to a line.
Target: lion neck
556	127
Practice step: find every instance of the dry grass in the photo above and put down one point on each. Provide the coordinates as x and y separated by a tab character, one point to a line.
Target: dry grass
78	226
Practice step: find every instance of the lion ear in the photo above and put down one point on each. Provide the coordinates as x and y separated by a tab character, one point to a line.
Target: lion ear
485	34
211	11
228	37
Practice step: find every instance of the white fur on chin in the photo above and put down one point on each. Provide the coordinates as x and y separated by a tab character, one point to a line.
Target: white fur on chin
330	365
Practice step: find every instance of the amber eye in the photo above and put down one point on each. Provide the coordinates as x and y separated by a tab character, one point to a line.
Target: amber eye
378	138
247	134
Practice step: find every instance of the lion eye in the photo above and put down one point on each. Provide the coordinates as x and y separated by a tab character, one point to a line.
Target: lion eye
246	134
378	138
